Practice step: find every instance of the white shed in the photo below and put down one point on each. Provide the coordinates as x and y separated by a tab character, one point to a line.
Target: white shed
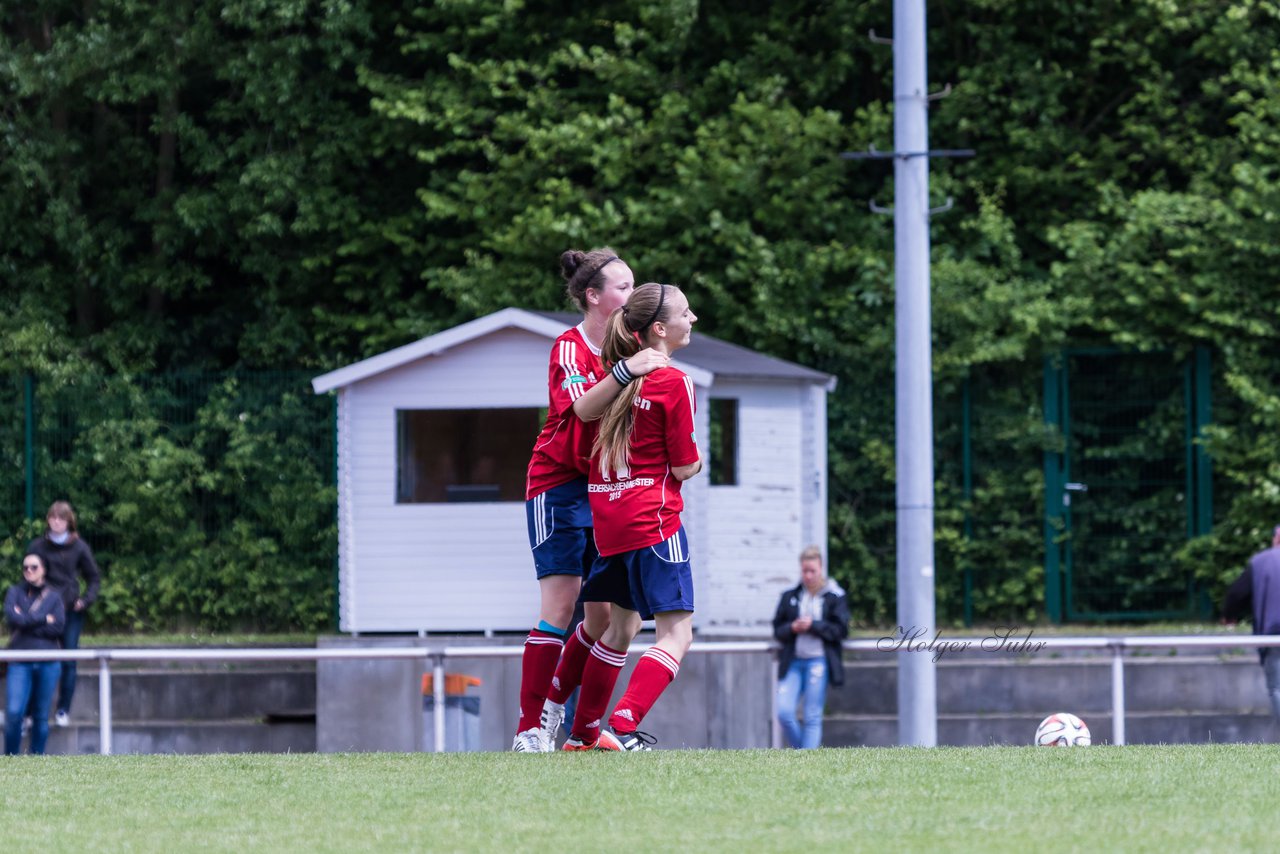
434	438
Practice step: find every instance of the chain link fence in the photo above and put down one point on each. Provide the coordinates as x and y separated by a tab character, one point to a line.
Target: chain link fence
208	498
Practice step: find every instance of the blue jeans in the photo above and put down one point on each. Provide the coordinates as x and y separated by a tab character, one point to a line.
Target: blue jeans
70	640
67	682
1271	669
27	680
806	680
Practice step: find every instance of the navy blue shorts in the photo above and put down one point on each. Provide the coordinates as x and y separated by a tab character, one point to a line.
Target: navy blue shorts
560	530
652	580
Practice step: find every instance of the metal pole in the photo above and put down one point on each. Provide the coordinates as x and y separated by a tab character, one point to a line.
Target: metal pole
966	453
1117	694
437	687
775	728
1053	492
917	678
29	442
104	704
1204	417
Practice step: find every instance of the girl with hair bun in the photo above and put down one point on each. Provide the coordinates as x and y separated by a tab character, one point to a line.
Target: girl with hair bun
645	450
556	507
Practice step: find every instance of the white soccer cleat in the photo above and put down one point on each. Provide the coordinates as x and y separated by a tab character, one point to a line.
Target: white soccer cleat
552	718
529	741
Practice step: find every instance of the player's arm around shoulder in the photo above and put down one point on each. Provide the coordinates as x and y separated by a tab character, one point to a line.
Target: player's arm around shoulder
592	405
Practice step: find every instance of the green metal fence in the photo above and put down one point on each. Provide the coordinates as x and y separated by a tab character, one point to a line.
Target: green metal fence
988	498
207	497
1063	494
1126	484
988	501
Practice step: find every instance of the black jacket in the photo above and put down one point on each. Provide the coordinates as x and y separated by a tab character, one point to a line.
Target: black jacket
833	628
67	564
1255	595
27	610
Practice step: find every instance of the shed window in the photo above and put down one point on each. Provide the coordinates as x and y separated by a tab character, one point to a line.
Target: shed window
453	455
724	441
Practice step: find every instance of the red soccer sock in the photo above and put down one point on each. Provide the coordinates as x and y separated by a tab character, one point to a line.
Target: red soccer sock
572	661
541	653
656	670
599	675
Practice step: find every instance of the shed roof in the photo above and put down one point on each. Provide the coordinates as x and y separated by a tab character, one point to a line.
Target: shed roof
729	360
704	359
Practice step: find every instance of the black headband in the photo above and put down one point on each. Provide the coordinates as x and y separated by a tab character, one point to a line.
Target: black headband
605	263
662	295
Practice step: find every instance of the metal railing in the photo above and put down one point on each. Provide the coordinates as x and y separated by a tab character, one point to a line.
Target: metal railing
435	658
1116	646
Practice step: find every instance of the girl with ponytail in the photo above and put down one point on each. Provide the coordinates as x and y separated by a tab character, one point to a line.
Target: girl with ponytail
556	508
645	449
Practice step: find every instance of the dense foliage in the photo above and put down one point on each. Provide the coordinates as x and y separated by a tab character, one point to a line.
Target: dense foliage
290	184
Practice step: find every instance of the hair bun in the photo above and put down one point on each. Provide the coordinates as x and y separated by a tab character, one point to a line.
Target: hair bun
570	261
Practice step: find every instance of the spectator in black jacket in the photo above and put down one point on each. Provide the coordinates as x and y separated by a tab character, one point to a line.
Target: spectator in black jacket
69	560
1255	595
811	622
35	614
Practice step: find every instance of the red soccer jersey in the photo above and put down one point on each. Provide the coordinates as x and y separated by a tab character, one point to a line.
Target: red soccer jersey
563	449
641	506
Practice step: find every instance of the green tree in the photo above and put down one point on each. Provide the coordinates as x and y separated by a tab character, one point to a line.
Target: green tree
288	183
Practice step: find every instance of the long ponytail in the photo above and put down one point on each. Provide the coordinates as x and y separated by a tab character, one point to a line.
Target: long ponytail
613	441
624	333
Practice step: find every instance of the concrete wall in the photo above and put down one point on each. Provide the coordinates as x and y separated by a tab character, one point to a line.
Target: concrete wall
196	708
717	700
1187	698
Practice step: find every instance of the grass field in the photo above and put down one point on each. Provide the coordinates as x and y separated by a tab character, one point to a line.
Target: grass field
1025	799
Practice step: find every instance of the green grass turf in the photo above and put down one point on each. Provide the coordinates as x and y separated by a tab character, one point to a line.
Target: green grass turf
1138	798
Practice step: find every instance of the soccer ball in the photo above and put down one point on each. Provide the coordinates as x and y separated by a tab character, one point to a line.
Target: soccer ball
1063	730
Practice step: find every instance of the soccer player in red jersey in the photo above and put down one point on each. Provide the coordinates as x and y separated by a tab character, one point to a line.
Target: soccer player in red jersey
644	451
556	507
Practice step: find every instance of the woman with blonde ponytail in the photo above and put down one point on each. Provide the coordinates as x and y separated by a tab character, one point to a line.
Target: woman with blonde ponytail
556	508
644	450
614	433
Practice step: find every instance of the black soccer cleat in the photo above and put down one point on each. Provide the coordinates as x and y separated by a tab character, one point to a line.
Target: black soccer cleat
635	740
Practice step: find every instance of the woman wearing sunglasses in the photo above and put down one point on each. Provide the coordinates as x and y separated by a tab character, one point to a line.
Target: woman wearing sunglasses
36	617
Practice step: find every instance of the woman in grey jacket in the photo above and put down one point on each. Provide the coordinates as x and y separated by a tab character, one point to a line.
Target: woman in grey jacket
811	622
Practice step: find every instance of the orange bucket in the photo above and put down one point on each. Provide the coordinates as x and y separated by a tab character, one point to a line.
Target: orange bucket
455	684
